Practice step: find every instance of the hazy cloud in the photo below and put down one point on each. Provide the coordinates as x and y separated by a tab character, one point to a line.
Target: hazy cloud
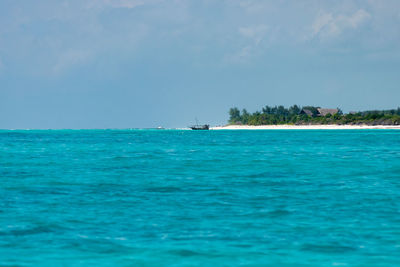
70	59
117	3
326	25
64	32
256	33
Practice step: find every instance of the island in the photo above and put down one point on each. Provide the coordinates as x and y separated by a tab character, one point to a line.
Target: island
311	117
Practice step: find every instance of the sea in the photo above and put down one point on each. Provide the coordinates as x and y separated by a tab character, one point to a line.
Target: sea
199	198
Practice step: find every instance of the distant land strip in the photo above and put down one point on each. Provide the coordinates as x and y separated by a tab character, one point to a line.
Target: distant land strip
311	115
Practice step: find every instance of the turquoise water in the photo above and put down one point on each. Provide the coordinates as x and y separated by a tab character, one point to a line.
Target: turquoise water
213	198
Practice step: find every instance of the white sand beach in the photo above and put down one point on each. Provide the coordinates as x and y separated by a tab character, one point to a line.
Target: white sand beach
304	127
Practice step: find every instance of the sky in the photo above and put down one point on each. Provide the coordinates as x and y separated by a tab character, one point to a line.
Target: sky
147	63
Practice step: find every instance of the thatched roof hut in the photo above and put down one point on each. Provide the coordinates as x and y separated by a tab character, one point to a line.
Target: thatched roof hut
326	111
307	112
319	111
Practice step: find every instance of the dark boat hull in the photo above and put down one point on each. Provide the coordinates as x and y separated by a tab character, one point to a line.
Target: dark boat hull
200	127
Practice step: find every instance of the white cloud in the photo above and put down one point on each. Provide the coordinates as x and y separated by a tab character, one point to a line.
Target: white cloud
256	6
125	3
320	22
70	59
240	56
255	33
243	29
357	19
327	26
117	3
250	44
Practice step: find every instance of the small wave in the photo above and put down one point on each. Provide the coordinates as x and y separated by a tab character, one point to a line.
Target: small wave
24	232
327	248
163	189
185	252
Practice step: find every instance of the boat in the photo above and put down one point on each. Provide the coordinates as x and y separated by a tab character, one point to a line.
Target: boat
200	127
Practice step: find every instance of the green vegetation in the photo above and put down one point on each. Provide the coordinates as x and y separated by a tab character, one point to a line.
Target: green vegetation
297	115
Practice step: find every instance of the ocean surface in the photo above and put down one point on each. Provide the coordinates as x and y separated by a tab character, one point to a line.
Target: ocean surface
200	198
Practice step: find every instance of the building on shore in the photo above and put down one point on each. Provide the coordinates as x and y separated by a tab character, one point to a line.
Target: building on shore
307	112
319	112
326	111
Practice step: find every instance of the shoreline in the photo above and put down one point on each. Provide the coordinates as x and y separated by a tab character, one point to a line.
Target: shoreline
306	127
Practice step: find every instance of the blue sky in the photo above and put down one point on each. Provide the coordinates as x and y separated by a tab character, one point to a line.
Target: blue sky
146	63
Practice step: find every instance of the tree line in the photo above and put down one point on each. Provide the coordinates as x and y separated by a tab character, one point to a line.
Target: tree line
273	115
